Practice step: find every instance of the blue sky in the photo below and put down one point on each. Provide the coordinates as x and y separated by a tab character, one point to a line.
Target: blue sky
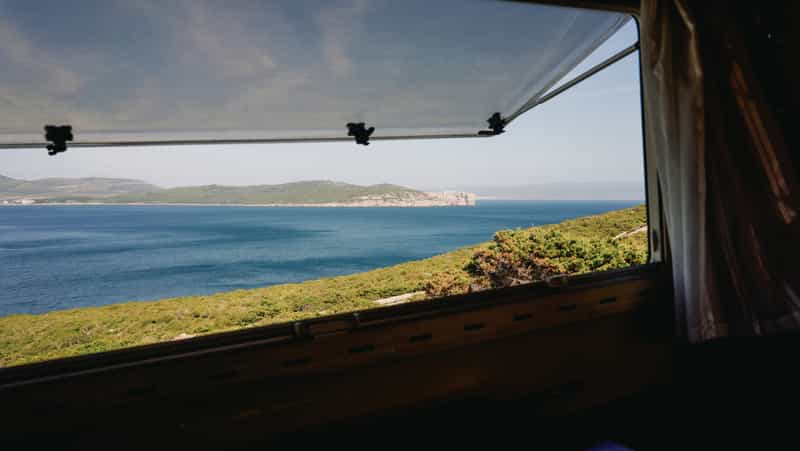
591	133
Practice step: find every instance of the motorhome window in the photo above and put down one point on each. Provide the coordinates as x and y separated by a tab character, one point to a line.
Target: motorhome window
169	171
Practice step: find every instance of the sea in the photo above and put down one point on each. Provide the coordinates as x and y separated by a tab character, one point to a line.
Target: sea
63	257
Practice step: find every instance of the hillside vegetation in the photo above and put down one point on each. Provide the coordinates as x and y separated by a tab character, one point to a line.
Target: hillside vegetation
310	192
54	187
512	257
125	191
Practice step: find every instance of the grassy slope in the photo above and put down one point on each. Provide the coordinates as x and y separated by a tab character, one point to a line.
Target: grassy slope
29	338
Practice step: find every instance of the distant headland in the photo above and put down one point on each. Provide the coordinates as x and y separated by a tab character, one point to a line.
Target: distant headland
315	193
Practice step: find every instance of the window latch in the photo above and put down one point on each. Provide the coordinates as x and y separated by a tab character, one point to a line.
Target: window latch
315	329
496	125
360	132
58	135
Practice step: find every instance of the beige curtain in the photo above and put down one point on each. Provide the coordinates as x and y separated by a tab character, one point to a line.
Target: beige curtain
728	185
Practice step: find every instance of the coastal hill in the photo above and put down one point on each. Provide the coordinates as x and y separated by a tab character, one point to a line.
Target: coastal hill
54	187
311	193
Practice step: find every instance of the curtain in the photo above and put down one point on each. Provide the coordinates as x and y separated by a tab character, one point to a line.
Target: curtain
729	190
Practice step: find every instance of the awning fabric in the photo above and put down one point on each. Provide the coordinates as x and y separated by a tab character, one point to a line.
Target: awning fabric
154	71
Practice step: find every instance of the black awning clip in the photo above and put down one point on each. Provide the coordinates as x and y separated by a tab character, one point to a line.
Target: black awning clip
360	132
58	135
496	125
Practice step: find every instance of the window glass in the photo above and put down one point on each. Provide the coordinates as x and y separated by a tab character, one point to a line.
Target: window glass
114	248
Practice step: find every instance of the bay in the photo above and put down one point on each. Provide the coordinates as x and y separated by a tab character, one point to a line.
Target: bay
61	257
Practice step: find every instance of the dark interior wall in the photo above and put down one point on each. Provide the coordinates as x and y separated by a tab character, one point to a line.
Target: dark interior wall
773	40
730	394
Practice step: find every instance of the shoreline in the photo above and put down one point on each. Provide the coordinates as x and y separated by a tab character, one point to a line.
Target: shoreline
324	205
188	204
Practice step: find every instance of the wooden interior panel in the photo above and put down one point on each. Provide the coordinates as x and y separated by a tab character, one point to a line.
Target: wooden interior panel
572	348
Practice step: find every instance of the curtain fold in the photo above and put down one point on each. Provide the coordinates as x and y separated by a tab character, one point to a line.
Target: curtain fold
726	175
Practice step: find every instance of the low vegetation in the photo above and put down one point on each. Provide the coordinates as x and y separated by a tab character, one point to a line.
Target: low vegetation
83	187
578	246
512	257
310	192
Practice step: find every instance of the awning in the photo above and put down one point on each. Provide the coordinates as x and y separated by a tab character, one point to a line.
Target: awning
153	72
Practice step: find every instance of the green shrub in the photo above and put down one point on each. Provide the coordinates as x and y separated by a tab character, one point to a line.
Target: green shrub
523	256
448	283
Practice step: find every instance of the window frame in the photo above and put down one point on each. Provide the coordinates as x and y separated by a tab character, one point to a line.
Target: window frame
571	294
307	331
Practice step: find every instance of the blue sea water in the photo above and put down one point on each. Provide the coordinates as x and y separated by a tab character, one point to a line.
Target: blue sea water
59	257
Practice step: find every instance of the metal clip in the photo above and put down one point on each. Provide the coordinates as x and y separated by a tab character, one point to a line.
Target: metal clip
359	131
58	135
300	330
497	124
